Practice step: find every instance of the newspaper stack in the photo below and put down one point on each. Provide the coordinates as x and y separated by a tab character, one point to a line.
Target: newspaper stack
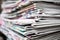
31	19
